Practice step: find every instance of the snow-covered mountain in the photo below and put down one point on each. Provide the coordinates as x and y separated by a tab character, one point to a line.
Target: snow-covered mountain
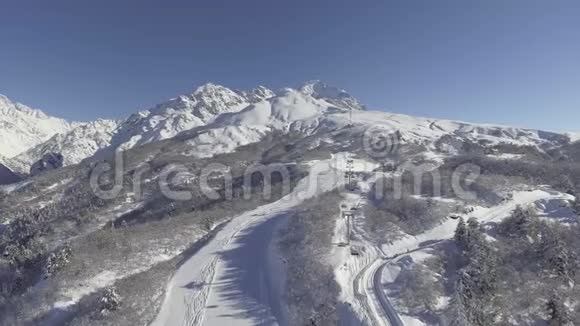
22	127
332	95
185	112
233	117
79	143
7	162
315	131
221	119
317	109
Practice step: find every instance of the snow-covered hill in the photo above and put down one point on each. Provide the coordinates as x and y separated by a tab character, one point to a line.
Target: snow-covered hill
574	136
317	109
77	144
22	127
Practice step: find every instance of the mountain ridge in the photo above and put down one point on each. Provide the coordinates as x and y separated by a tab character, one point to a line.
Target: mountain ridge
230	118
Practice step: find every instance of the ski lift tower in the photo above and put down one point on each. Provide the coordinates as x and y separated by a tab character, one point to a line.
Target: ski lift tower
349	173
348	216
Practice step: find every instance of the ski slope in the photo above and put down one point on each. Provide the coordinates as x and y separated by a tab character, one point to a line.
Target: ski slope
212	286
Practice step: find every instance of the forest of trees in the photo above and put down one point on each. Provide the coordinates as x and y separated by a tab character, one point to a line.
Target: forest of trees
530	256
312	292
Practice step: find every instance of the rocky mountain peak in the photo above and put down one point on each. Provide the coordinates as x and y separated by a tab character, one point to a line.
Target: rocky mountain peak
331	94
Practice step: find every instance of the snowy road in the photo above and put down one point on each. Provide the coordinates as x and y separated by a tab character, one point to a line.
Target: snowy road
230	280
246	289
391	314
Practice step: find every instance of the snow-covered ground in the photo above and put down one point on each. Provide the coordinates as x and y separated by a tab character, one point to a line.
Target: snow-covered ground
227	281
363	278
13	187
483	215
357	274
415	249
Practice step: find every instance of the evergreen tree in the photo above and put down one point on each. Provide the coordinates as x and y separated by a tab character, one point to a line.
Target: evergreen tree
559	260
461	234
459	303
57	260
110	301
558	312
475	233
473	302
483	268
522	223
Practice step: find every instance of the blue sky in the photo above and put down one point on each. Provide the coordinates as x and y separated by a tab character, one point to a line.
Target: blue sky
513	62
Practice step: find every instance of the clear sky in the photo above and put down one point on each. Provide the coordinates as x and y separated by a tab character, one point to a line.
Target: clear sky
514	62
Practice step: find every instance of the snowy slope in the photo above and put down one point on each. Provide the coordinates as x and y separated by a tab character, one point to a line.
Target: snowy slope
11	164
218	298
334	96
574	136
418	129
22	127
185	112
308	112
77	144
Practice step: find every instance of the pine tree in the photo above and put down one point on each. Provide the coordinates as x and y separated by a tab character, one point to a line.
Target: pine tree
483	267
560	261
473	224
57	260
522	223
459	304
475	233
477	282
558	312
110	301
461	234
